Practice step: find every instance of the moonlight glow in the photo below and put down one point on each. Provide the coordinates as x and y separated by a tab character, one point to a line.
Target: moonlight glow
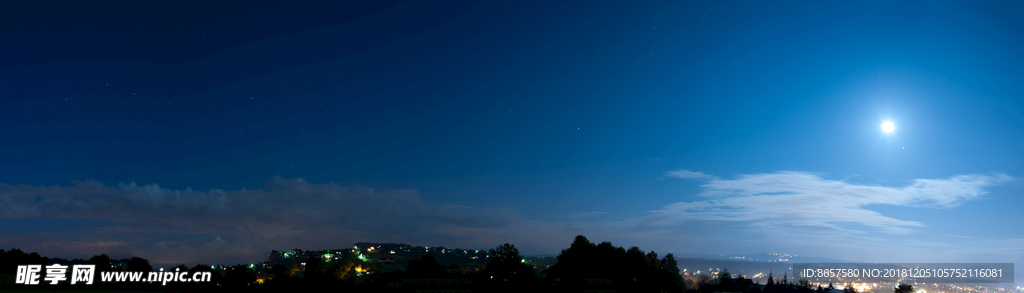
888	127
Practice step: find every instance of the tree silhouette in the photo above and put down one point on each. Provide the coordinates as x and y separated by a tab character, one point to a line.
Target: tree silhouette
215	277
803	286
238	276
102	263
506	253
138	264
652	255
315	272
585	267
904	288
342	269
725	282
849	289
705	284
179	268
426	266
669	262
11	258
506	270
746	285
572	262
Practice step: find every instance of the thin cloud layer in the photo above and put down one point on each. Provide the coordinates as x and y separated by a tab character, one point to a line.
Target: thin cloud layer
802	200
585	214
242	224
691	175
221	226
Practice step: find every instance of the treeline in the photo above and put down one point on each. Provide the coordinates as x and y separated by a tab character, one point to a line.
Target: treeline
10	259
583	267
727	282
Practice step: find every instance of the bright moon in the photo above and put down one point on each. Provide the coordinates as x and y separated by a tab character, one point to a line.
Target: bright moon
888	127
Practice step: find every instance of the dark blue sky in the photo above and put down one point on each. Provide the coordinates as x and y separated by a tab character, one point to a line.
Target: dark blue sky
191	132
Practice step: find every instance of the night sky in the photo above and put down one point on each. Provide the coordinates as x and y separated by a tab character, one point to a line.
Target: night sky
214	132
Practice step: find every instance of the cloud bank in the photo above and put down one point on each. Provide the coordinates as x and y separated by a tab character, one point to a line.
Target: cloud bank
236	226
799	199
193	226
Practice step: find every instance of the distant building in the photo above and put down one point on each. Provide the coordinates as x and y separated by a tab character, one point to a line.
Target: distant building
387	259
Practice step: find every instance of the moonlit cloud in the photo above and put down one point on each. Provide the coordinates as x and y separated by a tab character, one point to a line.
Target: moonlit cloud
237	226
691	175
804	200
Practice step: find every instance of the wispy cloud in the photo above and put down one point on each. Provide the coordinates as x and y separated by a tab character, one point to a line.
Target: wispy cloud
242	224
799	199
585	214
234	226
691	175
